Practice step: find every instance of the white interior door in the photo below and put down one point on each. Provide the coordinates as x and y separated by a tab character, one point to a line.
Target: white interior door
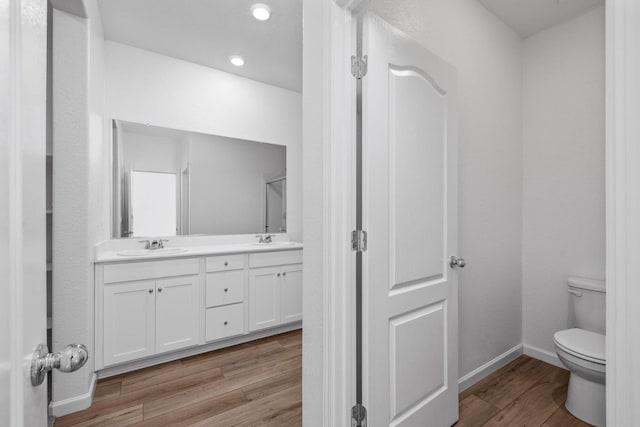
23	308
409	211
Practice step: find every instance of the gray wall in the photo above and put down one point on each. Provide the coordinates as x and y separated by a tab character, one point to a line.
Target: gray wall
227	183
564	183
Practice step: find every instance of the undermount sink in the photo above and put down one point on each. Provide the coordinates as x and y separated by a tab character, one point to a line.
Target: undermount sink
273	244
148	252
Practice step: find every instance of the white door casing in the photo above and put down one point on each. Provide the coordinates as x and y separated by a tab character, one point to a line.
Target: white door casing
23	65
410	213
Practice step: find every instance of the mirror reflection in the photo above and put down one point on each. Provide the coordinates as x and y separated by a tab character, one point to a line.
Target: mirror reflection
170	182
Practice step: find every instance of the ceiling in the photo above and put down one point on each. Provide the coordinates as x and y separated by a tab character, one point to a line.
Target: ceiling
208	32
527	17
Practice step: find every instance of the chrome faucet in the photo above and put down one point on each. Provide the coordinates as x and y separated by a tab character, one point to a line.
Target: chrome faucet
266	238
153	244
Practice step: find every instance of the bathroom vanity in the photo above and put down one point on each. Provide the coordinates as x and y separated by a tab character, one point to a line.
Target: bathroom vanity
157	307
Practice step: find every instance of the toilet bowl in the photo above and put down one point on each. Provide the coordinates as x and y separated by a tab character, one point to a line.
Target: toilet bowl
582	351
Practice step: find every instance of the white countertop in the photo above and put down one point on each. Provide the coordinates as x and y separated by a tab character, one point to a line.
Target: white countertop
197	250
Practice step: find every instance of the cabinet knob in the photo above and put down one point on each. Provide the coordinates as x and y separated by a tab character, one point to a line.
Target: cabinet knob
150	291
159	289
226	263
226	289
226	323
278	274
284	274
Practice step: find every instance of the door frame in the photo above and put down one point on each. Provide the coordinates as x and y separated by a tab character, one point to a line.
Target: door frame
328	94
623	210
328	133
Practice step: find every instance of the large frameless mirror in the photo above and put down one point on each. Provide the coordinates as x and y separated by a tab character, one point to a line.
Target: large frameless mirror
170	182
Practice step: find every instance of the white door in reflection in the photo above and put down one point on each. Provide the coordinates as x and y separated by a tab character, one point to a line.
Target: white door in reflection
153	203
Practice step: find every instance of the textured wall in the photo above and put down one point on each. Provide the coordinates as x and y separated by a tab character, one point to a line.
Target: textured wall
564	185
195	98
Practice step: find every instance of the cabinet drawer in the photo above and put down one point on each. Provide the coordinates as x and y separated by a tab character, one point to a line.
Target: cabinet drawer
224	321
226	287
225	263
275	258
131	271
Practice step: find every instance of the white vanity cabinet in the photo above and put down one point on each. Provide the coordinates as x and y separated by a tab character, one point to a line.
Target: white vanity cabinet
275	289
129	317
224	297
143	311
176	313
155	310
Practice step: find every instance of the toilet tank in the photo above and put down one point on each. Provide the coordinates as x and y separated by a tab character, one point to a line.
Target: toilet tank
587	301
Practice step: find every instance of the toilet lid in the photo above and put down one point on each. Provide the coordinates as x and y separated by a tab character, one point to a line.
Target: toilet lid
582	343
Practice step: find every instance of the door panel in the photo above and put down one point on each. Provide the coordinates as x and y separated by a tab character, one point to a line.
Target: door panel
176	313
264	298
416	149
23	308
409	211
129	319
291	298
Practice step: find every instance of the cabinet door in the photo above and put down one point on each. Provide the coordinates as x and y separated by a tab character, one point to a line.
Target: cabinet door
129	320
176	313
264	298
291	293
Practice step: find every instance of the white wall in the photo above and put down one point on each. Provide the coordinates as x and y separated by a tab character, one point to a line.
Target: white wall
227	183
563	186
487	55
80	190
145	87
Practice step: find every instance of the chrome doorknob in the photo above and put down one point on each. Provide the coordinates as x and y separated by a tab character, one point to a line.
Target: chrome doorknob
457	262
72	358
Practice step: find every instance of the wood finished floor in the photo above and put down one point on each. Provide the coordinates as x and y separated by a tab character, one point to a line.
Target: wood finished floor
253	384
526	392
259	384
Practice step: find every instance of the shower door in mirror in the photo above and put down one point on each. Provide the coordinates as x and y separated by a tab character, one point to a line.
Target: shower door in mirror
276	205
409	211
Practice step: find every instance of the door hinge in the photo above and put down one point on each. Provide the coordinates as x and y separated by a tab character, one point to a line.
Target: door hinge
359	241
359	66
359	416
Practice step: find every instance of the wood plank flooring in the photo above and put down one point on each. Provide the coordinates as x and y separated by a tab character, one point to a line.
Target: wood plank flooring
259	384
524	393
253	384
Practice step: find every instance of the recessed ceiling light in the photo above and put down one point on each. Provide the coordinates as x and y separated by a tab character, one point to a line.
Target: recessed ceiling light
261	11
237	60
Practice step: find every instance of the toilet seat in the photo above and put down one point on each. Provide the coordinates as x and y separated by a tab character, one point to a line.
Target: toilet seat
582	344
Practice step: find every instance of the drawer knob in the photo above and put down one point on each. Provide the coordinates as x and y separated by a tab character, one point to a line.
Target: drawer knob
226	323
226	289
150	291
284	274
159	289
278	274
226	263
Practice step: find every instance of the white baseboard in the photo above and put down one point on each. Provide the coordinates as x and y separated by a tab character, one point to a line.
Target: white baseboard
488	368
544	355
75	403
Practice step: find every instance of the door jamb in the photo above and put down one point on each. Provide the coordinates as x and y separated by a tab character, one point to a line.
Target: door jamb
328	211
623	210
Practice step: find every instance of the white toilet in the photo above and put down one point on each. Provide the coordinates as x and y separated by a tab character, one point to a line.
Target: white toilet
582	350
